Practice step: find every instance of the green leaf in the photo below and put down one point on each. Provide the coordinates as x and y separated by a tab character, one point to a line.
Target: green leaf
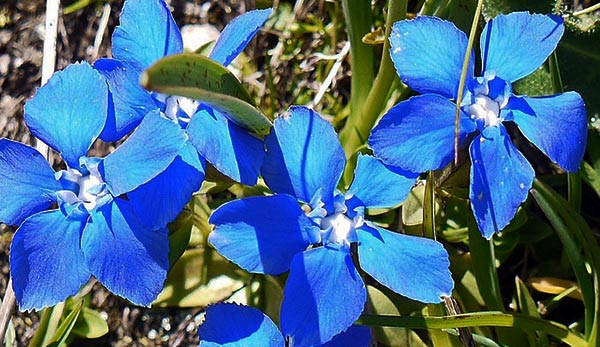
90	324
590	176
49	322
197	77
574	233
199	278
491	318
64	329
181	232
381	304
527	305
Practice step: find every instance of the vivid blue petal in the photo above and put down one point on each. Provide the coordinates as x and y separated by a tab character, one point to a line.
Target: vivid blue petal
303	156
428	54
555	124
228	324
27	182
162	198
147	32
46	261
228	147
500	180
126	257
145	154
131	101
323	296
412	266
418	134
516	44
69	112
260	234
237	34
355	336
378	185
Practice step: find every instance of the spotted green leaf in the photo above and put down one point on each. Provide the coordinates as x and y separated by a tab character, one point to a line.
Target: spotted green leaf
198	77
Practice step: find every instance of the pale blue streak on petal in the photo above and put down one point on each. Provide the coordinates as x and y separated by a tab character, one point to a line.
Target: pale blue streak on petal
146	33
162	198
46	261
428	54
69	112
500	180
418	134
27	182
130	102
129	259
324	294
303	156
556	124
232	150
261	234
515	45
378	185
415	267
233	325
237	34
145	154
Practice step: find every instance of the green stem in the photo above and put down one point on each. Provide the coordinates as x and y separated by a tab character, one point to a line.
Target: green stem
358	24
364	112
463	76
479	319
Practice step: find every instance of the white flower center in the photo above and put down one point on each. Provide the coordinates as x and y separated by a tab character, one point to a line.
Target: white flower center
178	108
485	109
87	188
341	226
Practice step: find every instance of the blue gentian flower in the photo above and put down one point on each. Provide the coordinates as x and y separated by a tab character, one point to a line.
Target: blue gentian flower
229	324
148	32
308	227
418	134
94	229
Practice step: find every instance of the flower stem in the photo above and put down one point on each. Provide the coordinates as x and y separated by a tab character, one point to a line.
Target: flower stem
479	319
463	76
52	9
361	120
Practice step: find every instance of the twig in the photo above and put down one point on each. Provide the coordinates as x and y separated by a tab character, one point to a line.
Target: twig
586	10
339	58
101	29
49	60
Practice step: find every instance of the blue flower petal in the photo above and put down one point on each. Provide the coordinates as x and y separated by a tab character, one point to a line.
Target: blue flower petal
145	154
378	185
46	261
323	296
228	324
500	180
228	147
412	266
162	198
555	124
355	336
69	112
303	156
147	32
260	234
418	134
131	101
237	34
514	45
127	258
428	54
27	182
